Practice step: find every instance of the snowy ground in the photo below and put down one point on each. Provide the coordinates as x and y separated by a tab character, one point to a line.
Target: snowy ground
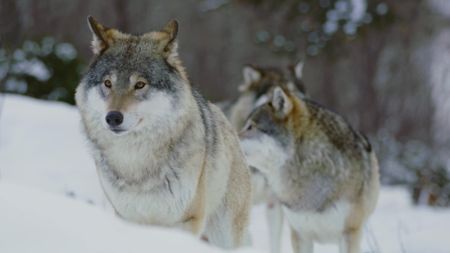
50	199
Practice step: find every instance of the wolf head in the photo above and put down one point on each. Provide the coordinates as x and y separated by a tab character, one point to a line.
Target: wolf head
133	80
259	80
268	136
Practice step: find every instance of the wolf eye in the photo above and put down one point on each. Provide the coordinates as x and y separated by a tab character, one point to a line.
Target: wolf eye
107	84
139	85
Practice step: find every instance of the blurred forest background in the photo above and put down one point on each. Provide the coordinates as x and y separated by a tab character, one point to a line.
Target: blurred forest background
383	64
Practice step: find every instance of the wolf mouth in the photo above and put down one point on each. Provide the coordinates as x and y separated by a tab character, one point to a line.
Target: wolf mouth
118	130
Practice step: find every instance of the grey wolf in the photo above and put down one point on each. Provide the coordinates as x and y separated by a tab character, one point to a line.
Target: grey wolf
164	155
254	91
324	173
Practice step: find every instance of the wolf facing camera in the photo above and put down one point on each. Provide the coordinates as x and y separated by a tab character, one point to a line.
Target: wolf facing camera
164	155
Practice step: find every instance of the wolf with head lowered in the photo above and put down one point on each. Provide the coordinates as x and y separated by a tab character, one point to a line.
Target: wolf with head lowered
322	171
258	81
164	155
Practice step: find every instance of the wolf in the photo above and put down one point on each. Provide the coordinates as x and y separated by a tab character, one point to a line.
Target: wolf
254	91
164	155
322	171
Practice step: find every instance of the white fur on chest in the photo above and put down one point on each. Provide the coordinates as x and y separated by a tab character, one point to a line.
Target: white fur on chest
129	155
326	226
160	196
160	206
264	153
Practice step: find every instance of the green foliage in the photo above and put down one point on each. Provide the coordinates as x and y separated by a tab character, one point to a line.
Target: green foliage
47	70
312	26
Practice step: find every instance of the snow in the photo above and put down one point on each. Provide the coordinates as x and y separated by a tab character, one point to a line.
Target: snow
33	67
41	146
50	199
65	51
359	8
52	223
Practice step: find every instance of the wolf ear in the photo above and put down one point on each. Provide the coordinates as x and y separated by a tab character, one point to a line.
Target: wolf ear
281	102
250	75
171	29
298	69
100	40
103	37
169	43
295	83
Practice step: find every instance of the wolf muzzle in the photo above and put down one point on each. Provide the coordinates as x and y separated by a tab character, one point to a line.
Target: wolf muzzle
114	118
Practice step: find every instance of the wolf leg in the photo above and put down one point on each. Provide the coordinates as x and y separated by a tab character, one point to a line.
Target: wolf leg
351	241
194	225
227	228
219	230
275	220
300	245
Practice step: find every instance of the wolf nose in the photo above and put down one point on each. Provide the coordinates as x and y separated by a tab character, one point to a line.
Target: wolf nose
114	118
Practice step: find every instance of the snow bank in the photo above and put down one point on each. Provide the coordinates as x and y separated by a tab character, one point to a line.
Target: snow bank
35	221
50	199
41	146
